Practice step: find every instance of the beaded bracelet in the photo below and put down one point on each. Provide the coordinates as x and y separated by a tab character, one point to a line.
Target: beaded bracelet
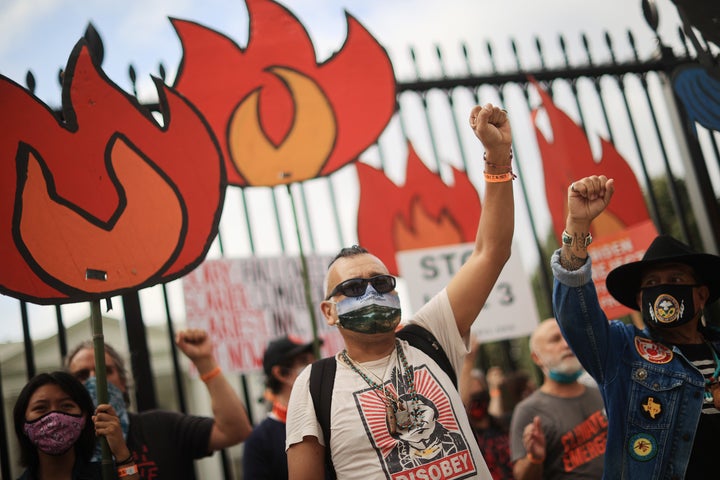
499	177
129	459
533	460
494	165
211	374
127	471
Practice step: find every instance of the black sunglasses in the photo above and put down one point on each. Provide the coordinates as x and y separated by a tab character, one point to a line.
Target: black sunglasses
356	287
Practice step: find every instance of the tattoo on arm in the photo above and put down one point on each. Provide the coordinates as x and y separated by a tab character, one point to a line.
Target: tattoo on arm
570	261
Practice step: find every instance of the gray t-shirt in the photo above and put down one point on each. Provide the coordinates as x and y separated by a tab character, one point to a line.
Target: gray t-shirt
575	433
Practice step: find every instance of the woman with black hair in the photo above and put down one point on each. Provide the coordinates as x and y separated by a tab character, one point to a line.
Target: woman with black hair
56	425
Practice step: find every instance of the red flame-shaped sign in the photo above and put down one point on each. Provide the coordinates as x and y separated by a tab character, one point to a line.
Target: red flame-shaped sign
104	200
279	116
569	158
624	229
424	213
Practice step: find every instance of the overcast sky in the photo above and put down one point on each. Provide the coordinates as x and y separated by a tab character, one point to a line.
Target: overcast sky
38	35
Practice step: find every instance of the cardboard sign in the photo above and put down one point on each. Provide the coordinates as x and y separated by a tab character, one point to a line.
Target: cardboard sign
510	310
611	251
246	303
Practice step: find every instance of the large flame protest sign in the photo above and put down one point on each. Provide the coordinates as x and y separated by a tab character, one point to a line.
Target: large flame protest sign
279	116
425	212
425	230
102	200
624	230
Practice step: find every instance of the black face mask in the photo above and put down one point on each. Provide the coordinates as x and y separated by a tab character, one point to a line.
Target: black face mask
667	306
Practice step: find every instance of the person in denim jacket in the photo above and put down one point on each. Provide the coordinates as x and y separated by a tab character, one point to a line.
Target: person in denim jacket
659	384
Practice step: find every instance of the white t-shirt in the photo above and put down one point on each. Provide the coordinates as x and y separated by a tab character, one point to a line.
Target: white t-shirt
443	447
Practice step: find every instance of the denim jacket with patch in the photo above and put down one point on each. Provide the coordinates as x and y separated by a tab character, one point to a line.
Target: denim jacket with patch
652	393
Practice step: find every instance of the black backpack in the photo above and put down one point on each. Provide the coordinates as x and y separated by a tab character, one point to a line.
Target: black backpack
322	379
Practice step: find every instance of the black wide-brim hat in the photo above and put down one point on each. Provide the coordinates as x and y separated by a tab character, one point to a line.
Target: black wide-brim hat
623	283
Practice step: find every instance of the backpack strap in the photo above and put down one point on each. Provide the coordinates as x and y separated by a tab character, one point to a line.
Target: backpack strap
322	381
422	339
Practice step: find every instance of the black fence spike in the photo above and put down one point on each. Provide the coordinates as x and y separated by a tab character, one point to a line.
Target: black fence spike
489	48
633	46
438	53
30	81
563	48
538	46
541	54
133	78
650	12
608	40
518	62
586	45
609	43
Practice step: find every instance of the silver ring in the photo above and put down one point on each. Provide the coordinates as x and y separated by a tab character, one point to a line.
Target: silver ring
572	187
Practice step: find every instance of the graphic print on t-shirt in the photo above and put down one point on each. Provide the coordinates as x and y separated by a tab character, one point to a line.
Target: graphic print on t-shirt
433	447
146	466
585	442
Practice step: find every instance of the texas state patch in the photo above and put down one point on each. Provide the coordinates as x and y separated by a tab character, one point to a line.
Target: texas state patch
653	352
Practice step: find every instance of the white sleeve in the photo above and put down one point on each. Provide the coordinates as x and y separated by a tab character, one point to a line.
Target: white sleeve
301	419
437	317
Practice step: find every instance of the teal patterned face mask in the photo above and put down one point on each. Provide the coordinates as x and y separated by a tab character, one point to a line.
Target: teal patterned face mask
115	398
372	312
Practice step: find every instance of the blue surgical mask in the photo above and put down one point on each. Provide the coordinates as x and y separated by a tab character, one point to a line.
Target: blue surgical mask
371	312
667	306
562	377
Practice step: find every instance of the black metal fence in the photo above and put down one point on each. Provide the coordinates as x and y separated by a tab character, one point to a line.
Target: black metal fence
629	101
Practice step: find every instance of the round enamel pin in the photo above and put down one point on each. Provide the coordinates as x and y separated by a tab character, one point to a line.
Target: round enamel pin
642	447
653	352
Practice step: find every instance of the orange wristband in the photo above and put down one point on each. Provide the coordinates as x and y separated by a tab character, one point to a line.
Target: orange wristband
500	177
127	471
206	377
495	392
533	460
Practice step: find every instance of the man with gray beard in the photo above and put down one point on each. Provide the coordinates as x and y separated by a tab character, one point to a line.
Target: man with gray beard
560	430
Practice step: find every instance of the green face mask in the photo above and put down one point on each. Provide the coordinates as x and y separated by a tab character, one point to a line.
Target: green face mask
370	313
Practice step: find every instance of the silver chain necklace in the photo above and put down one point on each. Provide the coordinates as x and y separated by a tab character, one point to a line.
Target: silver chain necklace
398	413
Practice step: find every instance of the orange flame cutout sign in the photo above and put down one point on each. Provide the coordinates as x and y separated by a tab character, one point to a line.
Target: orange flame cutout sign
424	213
106	200
569	158
279	116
